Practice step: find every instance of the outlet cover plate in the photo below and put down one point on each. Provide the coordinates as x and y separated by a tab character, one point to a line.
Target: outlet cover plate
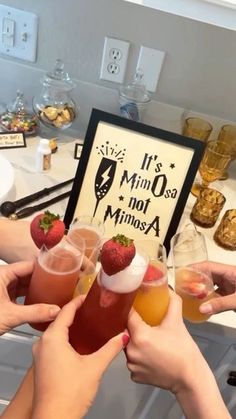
18	33
115	56
150	63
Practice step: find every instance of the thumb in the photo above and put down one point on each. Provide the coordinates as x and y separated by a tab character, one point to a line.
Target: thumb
219	304
36	313
105	355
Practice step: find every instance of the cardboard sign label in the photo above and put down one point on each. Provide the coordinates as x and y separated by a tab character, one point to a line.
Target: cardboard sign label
12	140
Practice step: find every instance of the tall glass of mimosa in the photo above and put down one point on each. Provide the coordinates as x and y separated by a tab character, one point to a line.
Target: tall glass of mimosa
193	280
92	231
55	276
152	299
105	310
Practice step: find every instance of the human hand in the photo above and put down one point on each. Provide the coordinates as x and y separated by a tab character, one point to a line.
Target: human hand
224	277
14	282
165	356
66	382
15	242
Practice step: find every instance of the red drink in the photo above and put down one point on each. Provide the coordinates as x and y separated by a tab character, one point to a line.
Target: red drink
105	310
54	277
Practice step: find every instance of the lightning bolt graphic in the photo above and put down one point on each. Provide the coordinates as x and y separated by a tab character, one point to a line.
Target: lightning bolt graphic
105	176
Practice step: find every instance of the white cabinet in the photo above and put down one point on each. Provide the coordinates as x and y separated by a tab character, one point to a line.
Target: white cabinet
118	396
15	358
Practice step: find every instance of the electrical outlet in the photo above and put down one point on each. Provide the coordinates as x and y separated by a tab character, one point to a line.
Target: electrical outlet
114	60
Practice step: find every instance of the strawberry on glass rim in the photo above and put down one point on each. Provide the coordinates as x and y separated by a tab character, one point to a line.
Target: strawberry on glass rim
47	229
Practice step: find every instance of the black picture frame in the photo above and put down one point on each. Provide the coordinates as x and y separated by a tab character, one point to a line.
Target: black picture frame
110	138
78	151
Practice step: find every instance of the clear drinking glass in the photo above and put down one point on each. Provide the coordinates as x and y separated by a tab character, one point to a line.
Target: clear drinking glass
92	231
55	276
152	298
193	280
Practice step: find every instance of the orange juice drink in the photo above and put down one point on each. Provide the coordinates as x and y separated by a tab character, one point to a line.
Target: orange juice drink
194	288
152	299
54	277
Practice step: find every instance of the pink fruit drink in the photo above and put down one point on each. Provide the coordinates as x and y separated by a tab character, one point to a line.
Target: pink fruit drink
54	279
104	312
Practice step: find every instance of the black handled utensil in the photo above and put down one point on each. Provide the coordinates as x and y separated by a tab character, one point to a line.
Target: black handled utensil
8	207
27	211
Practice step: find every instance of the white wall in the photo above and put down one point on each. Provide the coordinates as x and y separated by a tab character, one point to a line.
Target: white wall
198	72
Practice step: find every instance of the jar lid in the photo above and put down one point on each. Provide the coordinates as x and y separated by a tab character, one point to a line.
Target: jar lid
136	89
58	77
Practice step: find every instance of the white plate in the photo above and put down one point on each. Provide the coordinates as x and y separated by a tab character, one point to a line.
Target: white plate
6	177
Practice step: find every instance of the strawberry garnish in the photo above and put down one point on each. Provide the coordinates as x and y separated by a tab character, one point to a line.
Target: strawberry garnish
47	229
195	289
153	273
116	254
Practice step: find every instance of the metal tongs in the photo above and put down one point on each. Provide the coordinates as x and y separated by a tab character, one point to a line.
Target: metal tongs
9	208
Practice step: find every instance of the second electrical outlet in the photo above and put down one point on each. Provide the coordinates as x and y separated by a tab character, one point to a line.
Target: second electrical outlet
114	60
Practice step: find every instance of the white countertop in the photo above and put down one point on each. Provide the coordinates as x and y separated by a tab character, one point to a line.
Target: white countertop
64	166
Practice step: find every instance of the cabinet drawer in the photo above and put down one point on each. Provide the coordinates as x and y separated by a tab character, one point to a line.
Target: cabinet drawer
15	358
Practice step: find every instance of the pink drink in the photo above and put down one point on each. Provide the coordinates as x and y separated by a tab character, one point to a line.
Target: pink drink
54	278
105	310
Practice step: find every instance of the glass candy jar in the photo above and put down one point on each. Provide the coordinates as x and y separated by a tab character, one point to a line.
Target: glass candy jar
54	107
17	118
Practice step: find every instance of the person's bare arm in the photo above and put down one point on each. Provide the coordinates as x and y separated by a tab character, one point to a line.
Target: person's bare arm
15	241
20	406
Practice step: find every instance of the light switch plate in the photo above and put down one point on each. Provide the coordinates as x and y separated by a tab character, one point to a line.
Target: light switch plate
18	33
150	63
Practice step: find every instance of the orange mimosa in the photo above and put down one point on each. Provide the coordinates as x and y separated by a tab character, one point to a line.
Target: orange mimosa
194	288
152	299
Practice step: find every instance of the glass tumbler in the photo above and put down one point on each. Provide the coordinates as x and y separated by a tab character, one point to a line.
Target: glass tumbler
207	207
225	235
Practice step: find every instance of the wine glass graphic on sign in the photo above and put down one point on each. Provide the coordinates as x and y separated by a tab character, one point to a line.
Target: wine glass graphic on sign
106	172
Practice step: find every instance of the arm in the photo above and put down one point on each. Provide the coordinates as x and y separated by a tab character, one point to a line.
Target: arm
66	382
166	356
15	241
21	404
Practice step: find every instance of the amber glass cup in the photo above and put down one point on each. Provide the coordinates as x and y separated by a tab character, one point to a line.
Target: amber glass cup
225	235
197	128
207	207
228	135
216	157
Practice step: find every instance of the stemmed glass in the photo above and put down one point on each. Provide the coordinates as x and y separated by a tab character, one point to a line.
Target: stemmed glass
152	299
92	231
228	134
216	157
193	281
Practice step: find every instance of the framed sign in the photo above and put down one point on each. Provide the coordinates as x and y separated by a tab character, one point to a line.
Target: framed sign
12	139
133	177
